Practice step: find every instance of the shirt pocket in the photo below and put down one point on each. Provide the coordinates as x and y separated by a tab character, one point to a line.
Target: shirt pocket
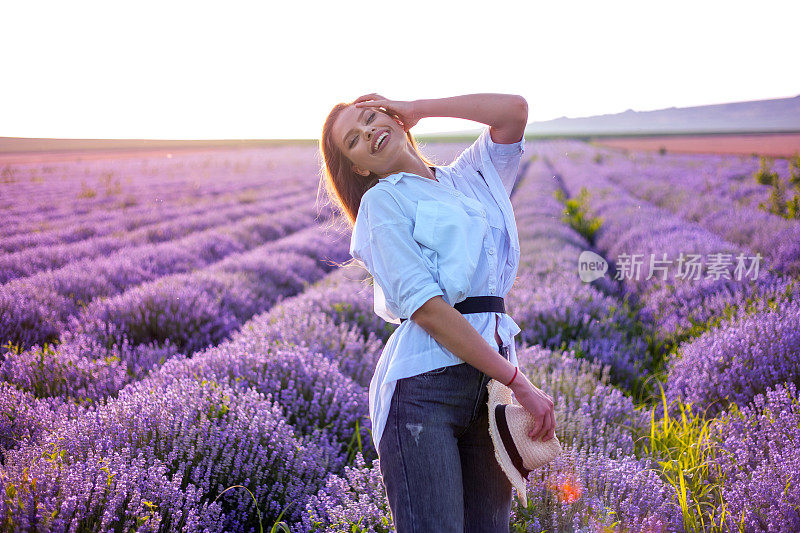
492	213
452	236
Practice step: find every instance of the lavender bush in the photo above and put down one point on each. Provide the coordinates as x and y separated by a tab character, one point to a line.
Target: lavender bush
741	358
758	461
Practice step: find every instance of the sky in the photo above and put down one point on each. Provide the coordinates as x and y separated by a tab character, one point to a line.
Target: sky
171	69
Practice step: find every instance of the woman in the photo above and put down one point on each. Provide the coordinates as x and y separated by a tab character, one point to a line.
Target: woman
441	245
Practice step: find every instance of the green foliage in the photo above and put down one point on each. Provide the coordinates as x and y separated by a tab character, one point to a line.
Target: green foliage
765	175
662	150
685	453
577	213
779	203
793	208
9	347
17	497
777	199
260	527
112	187
8	175
794	168
216	410
86	191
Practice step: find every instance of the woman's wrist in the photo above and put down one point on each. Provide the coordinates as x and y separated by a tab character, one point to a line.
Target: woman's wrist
423	109
426	107
517	381
516	371
511	376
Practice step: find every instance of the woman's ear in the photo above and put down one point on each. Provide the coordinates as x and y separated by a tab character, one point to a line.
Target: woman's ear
358	170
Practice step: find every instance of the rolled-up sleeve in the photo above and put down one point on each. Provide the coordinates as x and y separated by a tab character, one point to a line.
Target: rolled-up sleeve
505	158
383	241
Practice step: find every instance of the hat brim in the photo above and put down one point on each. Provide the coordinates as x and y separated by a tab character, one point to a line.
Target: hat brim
499	394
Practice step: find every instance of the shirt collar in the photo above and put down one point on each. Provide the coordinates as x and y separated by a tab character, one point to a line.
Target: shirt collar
393	178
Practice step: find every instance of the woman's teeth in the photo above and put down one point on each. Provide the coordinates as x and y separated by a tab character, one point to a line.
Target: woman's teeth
379	142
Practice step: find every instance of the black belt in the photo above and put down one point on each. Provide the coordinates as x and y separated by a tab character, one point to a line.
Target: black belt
479	304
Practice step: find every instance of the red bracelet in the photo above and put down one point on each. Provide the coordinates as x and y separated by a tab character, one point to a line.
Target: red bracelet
512	379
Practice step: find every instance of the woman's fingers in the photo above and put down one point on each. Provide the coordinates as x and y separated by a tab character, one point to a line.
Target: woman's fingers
370	96
552	431
538	424
372	103
547	425
364	97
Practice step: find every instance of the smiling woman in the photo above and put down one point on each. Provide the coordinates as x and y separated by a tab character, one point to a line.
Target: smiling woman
378	135
352	164
441	245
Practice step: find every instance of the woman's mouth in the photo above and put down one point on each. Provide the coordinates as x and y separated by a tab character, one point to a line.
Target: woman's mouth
381	140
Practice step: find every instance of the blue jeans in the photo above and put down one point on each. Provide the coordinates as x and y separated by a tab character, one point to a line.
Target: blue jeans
436	455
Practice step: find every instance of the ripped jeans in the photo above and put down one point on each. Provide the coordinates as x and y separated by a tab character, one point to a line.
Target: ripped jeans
437	458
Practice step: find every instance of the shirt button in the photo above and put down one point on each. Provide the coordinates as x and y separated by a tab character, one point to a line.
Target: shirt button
491	251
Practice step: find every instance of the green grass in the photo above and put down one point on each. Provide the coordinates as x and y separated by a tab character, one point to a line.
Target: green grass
685	453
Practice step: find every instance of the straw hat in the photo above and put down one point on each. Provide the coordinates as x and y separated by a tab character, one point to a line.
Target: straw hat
517	453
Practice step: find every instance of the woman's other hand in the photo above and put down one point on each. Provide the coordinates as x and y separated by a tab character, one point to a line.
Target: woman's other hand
539	404
404	112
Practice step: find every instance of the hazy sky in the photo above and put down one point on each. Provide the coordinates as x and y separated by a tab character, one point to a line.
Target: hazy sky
210	70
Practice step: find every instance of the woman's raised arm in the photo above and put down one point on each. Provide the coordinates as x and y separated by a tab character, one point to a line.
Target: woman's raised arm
506	114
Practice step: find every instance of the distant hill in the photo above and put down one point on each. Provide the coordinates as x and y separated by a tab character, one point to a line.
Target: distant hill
775	115
757	116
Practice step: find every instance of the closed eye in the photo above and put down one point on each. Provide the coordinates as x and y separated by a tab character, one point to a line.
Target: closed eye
355	138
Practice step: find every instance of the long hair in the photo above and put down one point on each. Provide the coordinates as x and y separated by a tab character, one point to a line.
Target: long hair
345	187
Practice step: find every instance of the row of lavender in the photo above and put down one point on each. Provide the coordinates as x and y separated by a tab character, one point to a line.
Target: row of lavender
36	309
683	307
152	213
326	343
602	448
183	413
736	349
723	176
131	209
36	195
55	251
719	193
118	340
104	346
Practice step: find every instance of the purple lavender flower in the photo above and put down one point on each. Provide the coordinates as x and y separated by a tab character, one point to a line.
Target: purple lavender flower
757	461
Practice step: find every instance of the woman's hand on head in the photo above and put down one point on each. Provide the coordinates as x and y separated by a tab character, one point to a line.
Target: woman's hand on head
404	112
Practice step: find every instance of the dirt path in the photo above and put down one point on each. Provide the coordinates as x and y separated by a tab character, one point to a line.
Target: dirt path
775	145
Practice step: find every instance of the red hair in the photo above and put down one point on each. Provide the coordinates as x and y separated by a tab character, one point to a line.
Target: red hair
343	185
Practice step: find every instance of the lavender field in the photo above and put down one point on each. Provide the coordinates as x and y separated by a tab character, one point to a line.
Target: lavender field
182	350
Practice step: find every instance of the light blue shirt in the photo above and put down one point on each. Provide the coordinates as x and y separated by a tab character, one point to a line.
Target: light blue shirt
454	238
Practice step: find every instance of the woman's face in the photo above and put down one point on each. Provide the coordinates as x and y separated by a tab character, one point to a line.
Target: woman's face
370	138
